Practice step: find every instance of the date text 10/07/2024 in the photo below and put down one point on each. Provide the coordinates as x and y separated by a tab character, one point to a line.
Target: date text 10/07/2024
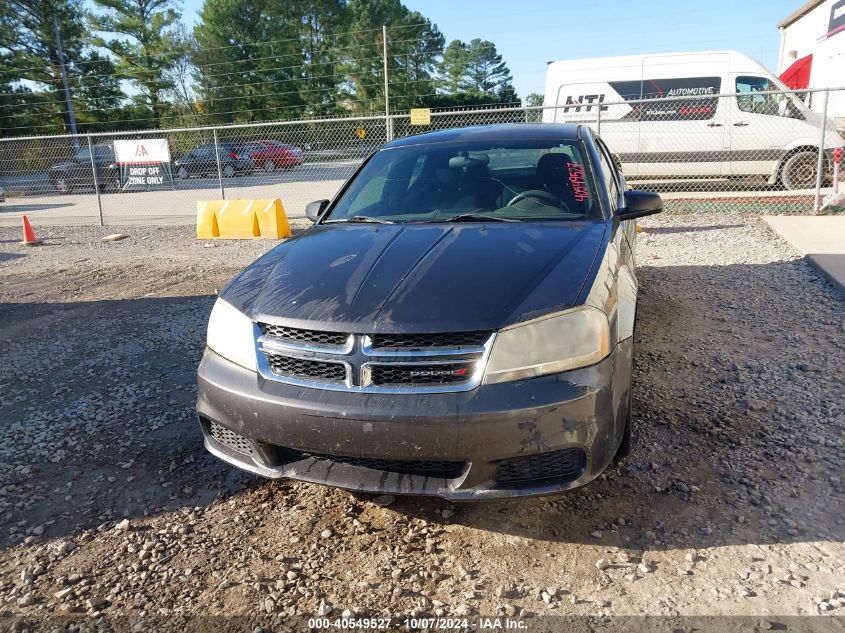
414	624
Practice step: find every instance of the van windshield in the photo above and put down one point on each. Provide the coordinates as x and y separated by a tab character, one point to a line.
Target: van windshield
508	181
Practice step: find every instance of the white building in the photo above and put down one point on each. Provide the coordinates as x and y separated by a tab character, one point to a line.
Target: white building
812	51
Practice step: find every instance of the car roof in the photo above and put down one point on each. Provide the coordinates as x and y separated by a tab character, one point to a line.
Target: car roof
497	132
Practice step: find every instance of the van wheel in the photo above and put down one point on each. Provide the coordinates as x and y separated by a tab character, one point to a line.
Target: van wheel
799	170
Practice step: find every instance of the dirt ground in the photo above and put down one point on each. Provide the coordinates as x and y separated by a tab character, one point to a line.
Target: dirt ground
110	508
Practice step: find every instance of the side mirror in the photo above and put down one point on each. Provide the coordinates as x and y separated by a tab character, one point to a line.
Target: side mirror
640	203
315	209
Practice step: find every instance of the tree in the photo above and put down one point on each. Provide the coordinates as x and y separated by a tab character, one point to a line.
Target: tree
145	45
453	68
97	94
486	73
414	44
322	23
476	69
28	52
534	99
256	76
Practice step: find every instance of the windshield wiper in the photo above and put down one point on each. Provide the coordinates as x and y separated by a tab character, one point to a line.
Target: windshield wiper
475	217
366	218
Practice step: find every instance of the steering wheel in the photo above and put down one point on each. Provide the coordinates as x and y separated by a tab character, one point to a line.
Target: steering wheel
543	196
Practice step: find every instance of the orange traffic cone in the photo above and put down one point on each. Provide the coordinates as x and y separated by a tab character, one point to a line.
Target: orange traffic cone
29	238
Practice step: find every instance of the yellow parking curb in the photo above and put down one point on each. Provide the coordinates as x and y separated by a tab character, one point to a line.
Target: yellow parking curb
242	219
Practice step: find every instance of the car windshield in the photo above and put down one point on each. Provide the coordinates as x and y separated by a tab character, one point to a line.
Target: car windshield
516	180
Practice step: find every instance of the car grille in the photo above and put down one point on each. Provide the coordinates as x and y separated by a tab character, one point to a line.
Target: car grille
554	467
307	368
423	468
422	341
424	363
230	439
314	337
445	374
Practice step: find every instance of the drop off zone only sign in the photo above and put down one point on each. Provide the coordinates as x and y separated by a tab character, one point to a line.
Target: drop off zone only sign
144	164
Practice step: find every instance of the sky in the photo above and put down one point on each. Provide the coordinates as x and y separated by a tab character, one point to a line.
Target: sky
528	33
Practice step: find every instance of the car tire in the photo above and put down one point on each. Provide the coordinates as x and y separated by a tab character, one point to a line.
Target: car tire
62	185
269	165
799	170
182	173
228	171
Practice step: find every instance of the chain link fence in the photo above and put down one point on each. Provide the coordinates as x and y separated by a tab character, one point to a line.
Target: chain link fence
762	152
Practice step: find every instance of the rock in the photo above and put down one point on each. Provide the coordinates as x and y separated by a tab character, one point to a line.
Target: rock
225	585
26	600
324	609
114	237
123	525
326	534
596	534
292	575
384	500
602	564
61	594
95	604
347	613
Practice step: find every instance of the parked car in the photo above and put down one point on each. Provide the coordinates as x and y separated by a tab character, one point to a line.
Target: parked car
694	135
202	161
458	322
271	155
77	172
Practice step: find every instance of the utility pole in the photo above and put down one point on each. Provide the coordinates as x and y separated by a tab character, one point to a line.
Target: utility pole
68	105
388	126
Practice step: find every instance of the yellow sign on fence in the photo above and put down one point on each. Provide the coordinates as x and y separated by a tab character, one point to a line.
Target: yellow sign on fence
420	116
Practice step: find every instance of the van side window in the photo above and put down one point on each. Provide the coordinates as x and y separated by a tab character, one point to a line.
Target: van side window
610	177
774	105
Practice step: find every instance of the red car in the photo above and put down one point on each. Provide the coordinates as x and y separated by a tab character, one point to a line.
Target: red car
271	155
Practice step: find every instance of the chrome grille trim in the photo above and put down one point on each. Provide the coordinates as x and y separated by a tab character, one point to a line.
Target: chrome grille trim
367	345
281	346
359	357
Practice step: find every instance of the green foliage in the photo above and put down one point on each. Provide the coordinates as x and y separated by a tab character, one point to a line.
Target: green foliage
144	42
534	99
133	64
476	68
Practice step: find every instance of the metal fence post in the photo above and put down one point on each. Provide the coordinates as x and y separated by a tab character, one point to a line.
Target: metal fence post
219	168
96	180
598	121
388	124
820	163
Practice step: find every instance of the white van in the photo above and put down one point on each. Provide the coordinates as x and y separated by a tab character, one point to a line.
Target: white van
775	136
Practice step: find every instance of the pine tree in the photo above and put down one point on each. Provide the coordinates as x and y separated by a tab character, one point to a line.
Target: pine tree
143	41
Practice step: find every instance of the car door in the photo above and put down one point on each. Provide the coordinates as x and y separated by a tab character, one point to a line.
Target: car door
761	125
622	244
683	136
80	174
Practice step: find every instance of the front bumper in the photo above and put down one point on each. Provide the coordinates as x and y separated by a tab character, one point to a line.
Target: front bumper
353	440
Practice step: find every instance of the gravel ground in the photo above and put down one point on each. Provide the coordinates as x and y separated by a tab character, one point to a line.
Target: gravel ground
732	503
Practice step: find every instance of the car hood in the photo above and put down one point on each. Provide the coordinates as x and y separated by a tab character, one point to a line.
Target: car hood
419	277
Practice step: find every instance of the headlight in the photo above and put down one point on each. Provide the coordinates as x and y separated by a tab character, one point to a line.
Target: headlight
230	334
567	340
